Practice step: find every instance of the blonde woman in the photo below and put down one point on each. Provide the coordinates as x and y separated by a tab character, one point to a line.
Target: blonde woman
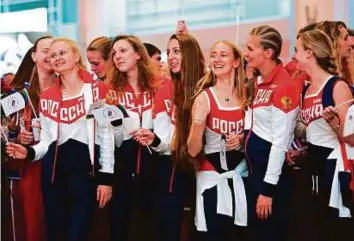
315	55
215	140
76	152
273	109
98	55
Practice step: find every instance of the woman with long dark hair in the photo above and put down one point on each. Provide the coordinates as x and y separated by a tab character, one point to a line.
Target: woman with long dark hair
187	65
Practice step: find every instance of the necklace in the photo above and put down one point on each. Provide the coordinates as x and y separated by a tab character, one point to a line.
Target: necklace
227	99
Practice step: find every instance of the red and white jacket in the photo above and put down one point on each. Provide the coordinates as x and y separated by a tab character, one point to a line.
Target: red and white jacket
273	115
138	107
63	119
164	117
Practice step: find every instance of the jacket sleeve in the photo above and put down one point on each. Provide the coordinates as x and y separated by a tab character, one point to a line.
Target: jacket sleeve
117	130
284	114
106	159
163	127
36	152
106	142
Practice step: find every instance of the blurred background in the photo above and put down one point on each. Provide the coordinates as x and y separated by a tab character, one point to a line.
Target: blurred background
23	21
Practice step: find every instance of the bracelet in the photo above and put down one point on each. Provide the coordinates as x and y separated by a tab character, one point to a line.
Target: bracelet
337	127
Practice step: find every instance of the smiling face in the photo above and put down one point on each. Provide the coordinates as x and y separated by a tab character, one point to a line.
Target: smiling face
301	56
42	55
174	56
254	53
125	58
222	60
63	58
343	44
97	63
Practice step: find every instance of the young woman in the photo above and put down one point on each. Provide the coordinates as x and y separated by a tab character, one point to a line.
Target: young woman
76	153
35	68
98	55
217	132
337	31
315	55
132	84
155	55
351	57
273	111
182	50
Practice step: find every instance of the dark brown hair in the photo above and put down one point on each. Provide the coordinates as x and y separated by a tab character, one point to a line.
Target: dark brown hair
185	82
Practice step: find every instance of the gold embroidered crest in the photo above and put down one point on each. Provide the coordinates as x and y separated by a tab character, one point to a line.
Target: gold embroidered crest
286	102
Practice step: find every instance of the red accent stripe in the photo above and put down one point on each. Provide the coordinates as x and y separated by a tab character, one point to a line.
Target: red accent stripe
172	178
345	157
55	155
298	143
348	166
94	141
138	160
139	147
205	165
94	137
246	141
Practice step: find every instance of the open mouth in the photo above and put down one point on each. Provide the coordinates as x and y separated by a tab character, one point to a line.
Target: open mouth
57	65
173	65
218	66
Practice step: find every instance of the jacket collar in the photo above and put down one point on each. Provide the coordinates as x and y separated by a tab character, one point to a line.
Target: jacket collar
85	76
271	75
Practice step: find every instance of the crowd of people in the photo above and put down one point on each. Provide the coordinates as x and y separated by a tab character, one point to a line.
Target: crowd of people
221	142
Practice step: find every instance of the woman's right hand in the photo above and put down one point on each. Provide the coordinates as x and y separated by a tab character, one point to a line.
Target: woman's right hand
181	27
16	151
143	136
25	138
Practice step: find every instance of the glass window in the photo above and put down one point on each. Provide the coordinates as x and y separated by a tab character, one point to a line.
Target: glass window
162	15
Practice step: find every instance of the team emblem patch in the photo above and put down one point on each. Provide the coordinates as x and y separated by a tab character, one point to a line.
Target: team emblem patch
286	102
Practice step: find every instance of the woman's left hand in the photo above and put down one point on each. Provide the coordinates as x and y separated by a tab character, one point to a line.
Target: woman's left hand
104	194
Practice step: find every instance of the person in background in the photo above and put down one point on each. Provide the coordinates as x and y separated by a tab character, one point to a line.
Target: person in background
155	54
38	71
351	57
76	152
337	31
98	55
7	78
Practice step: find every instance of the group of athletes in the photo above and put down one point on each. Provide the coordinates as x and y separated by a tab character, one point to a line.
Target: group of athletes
217	140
